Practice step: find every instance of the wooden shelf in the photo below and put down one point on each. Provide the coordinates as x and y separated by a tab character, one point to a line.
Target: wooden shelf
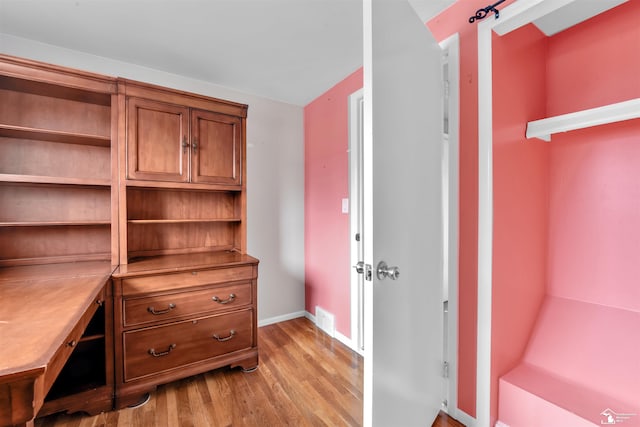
94	337
24	132
612	113
35	179
182	186
51	223
181	221
59	259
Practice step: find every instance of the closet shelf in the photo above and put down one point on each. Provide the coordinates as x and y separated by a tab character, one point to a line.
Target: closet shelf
181	221
24	132
618	112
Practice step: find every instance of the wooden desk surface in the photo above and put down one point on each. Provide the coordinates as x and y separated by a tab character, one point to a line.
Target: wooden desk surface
39	308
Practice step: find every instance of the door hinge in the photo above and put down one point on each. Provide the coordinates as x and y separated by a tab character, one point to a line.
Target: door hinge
445	369
357	237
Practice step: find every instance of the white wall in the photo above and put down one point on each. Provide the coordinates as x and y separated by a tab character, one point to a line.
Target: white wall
275	171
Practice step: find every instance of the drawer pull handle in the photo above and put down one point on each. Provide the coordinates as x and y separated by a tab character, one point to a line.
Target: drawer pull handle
152	351
153	310
72	343
232	333
231	298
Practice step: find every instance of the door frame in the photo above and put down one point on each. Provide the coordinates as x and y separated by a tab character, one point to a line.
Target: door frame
451	166
356	280
512	17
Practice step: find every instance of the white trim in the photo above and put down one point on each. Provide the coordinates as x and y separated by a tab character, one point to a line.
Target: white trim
338	336
618	112
355	215
348	342
282	318
452	44
463	417
485	222
524	12
367	154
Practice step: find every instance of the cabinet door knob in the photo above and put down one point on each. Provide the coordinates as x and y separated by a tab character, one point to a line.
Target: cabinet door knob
185	145
195	145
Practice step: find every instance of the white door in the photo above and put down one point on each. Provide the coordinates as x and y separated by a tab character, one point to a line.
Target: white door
403	217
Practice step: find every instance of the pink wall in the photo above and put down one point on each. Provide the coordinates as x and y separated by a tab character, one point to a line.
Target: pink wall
586	332
520	198
594	248
594	238
326	184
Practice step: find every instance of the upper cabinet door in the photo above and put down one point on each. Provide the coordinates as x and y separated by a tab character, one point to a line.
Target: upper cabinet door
157	141
216	148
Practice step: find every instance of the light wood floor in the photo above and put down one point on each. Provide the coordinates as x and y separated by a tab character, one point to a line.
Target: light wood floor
305	378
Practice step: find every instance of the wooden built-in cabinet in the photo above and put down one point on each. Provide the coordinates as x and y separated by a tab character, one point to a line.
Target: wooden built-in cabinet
182	315
185	291
55	166
134	195
58	239
167	142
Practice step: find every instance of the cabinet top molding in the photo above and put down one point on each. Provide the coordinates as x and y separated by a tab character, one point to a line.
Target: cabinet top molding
36	71
178	97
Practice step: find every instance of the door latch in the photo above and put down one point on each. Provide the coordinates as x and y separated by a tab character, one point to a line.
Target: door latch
365	269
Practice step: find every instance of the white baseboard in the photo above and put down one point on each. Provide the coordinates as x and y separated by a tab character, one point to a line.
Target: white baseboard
282	318
463	417
310	317
340	337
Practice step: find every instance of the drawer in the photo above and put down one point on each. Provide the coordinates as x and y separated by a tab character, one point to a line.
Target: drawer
158	308
162	348
175	281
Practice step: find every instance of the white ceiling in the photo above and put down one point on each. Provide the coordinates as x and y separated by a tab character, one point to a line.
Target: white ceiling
287	50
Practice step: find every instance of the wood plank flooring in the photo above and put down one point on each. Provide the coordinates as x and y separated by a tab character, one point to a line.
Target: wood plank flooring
305	378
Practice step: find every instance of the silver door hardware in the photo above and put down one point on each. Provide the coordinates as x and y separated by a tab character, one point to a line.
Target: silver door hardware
383	271
363	268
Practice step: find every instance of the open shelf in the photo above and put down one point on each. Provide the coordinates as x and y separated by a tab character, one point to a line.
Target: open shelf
190	186
57	180
612	113
53	90
52	223
181	221
24	132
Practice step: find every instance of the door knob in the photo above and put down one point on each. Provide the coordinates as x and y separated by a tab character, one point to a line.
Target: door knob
383	271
